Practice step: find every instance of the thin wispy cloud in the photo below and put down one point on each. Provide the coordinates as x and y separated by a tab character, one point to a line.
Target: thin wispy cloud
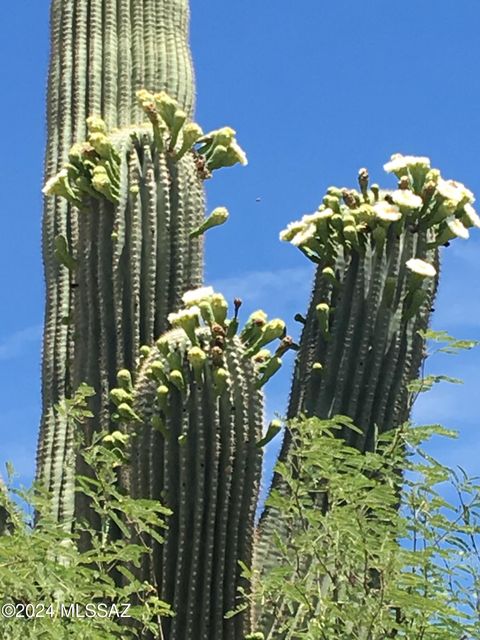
18	343
289	285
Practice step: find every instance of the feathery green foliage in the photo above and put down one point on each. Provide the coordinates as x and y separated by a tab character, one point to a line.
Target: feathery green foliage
48	588
395	555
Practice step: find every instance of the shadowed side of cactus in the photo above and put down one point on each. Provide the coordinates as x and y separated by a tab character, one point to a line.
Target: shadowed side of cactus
197	412
140	202
362	343
3	510
102	53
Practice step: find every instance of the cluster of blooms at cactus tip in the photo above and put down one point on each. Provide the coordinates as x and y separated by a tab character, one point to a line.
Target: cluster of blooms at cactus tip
93	167
196	348
350	220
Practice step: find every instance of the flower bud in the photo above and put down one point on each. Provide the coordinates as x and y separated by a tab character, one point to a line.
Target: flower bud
269	370
323	315
177	379
63	254
274	428
124	380
166	107
116	437
197	358
187	319
219	308
145	351
192	132
158	370
95	124
101	144
120	396
218	217
220	379
126	413
162	397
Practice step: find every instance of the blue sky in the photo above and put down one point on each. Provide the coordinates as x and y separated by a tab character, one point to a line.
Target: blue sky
315	90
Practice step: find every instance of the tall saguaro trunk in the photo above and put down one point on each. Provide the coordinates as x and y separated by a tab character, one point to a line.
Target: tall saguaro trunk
102	53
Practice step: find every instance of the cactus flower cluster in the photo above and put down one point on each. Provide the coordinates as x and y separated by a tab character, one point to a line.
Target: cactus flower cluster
94	166
349	220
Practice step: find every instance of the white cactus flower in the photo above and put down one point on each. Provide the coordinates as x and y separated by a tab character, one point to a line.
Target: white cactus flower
421	268
455	191
313	218
184	315
52	185
291	230
399	162
407	199
309	232
239	152
387	212
472	215
457	228
195	296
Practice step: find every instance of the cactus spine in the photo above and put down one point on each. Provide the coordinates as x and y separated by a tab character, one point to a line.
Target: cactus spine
196	408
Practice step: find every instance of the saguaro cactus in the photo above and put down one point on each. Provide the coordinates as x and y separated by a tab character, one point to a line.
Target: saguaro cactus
102	53
378	263
196	436
377	253
140	206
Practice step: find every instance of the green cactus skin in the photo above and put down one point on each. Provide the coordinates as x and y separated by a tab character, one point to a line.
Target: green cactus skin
372	349
197	409
102	53
372	297
210	482
127	286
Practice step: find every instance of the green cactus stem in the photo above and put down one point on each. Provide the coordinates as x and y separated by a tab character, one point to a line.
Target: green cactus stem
195	448
138	202
102	53
377	253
